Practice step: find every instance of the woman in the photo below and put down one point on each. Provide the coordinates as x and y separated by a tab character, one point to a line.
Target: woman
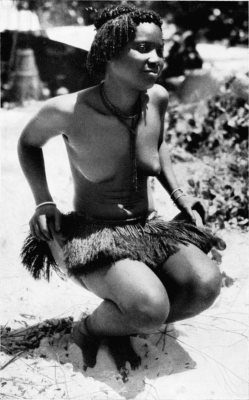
146	270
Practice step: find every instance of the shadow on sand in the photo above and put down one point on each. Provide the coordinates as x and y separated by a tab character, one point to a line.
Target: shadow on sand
161	354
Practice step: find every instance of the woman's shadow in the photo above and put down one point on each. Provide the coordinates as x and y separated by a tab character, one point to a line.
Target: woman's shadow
161	354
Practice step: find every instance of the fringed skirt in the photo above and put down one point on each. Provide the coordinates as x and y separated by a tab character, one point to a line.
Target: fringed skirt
96	244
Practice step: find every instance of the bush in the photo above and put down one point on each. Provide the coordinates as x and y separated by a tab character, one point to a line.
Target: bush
224	123
219	136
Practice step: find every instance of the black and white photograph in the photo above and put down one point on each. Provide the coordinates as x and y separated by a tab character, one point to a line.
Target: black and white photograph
124	200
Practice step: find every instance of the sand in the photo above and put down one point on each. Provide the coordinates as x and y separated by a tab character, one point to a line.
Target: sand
202	358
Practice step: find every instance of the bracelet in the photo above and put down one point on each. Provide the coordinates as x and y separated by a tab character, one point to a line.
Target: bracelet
52	203
175	190
180	195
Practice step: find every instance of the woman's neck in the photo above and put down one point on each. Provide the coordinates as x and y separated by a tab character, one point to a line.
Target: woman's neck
121	96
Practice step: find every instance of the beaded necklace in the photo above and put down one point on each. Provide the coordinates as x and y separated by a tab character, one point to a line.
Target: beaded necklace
122	117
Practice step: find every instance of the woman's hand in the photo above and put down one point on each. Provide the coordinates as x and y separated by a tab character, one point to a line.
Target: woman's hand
45	219
193	208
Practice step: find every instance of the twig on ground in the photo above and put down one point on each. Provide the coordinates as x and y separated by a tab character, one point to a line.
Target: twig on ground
12	359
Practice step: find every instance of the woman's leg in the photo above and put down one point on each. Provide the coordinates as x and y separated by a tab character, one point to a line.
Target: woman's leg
192	282
135	300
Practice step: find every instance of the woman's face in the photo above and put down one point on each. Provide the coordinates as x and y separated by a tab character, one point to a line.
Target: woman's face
141	62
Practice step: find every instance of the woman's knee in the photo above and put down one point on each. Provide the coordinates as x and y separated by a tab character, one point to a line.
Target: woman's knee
148	310
208	285
202	288
192	275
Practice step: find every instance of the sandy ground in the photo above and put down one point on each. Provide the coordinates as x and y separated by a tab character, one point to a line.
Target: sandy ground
202	358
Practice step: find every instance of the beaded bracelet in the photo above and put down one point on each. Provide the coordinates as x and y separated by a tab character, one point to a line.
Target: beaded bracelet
52	203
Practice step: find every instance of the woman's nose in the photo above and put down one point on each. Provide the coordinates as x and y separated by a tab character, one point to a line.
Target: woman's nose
155	62
155	58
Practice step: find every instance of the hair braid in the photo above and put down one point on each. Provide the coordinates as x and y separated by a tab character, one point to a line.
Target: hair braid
116	27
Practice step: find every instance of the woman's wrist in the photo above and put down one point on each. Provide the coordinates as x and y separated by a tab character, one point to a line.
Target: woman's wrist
45	203
177	194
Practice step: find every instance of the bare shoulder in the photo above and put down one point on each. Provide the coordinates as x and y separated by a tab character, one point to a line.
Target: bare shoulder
89	97
64	106
54	118
61	107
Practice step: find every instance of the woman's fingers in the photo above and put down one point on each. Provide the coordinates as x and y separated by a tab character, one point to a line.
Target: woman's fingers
46	224
43	226
39	228
198	219
194	208
201	209
37	233
57	222
190	214
32	229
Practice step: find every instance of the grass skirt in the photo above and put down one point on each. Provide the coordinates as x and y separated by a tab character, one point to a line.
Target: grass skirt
95	244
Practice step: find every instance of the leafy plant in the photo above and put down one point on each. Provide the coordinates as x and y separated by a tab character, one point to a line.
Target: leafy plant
225	122
219	136
225	191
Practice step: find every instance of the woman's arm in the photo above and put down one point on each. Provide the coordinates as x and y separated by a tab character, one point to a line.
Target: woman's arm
189	205
167	177
49	122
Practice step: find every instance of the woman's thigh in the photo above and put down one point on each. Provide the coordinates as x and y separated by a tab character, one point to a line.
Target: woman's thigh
125	282
191	270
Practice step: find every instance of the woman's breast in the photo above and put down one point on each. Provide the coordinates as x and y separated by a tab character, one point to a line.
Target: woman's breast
100	156
101	166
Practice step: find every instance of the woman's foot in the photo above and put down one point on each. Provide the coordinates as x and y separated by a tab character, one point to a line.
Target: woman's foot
89	344
121	350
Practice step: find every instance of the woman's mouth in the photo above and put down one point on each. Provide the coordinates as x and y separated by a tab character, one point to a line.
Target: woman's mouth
152	71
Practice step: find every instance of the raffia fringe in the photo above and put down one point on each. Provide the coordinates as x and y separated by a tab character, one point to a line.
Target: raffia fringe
94	245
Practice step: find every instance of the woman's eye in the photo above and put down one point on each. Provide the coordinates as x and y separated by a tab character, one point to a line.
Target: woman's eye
147	47
143	47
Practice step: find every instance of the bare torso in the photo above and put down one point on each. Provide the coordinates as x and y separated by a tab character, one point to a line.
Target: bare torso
98	147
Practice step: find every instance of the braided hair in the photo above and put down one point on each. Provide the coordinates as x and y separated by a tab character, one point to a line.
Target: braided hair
116	27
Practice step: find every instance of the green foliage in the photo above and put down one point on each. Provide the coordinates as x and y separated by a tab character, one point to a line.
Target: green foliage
224	122
225	188
220	138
